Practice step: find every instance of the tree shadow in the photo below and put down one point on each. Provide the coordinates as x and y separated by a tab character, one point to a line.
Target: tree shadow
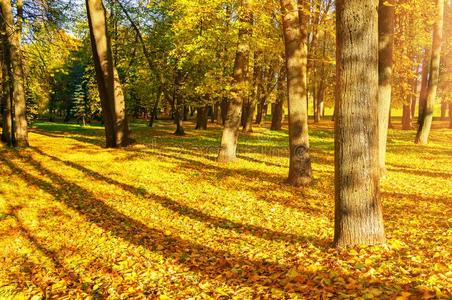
187	211
208	262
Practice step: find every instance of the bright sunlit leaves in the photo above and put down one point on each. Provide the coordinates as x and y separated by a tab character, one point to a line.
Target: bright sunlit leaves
162	220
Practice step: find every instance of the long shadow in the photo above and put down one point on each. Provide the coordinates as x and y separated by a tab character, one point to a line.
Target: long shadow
74	136
186	210
219	172
52	255
419	172
208	262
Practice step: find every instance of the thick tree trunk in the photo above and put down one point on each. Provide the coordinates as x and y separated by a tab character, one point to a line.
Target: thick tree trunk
110	89
228	148
278	108
300	171
358	211
13	33
385	45
425	120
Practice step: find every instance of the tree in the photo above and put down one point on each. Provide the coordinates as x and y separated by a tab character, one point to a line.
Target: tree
278	106
358	211
13	37
425	120
228	147
300	172
110	89
7	118
385	44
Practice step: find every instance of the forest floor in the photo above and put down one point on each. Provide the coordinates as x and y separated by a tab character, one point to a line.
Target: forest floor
162	219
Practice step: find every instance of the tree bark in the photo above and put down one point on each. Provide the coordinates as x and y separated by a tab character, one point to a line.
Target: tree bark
425	120
228	148
13	33
110	89
385	45
295	40
358	211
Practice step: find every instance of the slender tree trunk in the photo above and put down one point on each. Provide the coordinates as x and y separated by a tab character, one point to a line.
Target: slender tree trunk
229	138
300	171
406	117
156	106
358	211
385	45
110	89
7	118
178	116
424	83
278	111
425	120
443	110
13	33
256	95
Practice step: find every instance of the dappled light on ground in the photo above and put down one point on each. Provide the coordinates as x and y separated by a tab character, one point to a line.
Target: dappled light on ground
162	219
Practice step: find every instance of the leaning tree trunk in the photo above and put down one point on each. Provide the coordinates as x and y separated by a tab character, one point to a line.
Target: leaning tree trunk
385	45
300	171
232	120
13	33
358	211
110	89
425	120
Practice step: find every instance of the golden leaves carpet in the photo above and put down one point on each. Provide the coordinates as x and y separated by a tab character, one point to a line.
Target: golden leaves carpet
161	219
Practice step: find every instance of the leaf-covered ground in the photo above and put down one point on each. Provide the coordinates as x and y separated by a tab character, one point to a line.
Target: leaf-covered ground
161	219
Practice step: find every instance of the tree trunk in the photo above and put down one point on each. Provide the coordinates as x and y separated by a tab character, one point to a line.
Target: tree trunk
7	118
13	33
178	117
385	45
406	117
425	120
156	106
450	115
300	171
358	211
110	89
278	108
229	138
443	110
424	83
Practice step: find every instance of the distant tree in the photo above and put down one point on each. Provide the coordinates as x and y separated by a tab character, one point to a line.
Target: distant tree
425	120
358	211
